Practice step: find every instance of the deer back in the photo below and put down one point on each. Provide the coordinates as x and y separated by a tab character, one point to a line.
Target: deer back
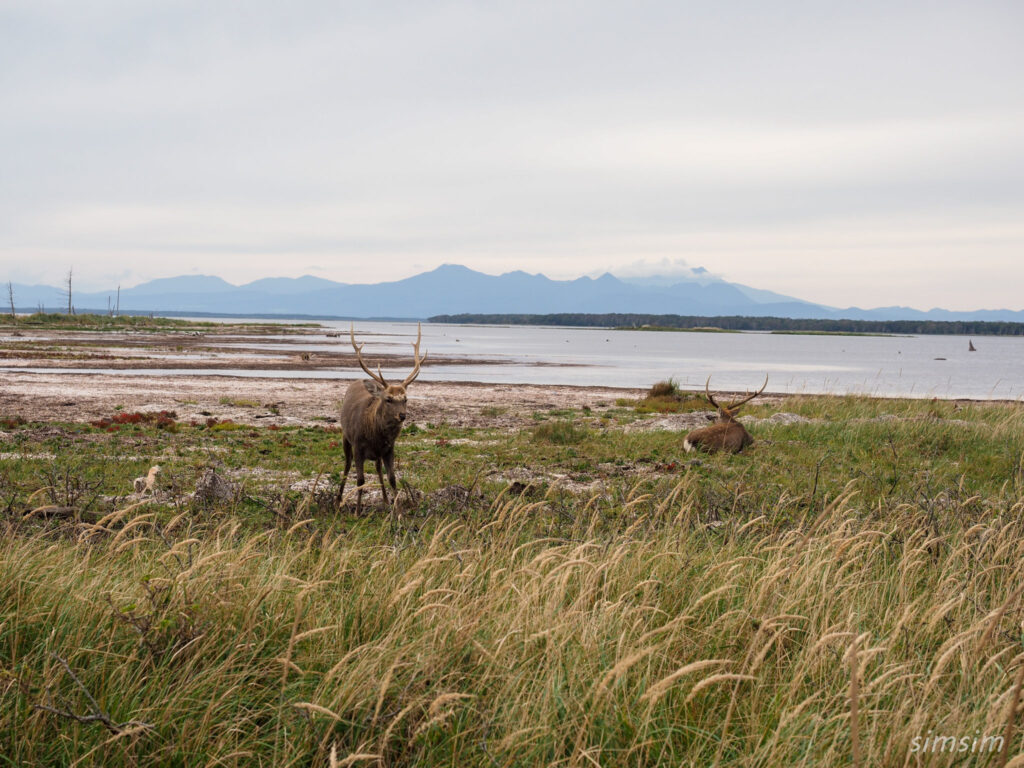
730	436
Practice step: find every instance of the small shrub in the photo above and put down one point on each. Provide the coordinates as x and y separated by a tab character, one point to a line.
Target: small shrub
668	388
665	397
227	425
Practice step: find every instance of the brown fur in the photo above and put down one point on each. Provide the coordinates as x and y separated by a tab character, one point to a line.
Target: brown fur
726	434
371	418
372	415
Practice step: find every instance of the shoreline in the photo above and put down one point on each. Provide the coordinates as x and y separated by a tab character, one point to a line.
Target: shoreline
282	401
270	400
227	373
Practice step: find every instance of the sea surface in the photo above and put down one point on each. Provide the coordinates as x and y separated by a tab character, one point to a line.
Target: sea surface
904	366
912	366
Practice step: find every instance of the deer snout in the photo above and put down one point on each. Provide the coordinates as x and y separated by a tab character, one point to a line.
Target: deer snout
401	417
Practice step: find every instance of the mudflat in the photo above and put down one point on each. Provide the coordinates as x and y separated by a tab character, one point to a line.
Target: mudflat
84	397
264	398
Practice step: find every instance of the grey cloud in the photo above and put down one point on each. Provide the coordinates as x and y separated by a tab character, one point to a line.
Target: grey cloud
496	134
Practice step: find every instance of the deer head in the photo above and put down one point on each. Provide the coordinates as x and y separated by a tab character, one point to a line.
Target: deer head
392	397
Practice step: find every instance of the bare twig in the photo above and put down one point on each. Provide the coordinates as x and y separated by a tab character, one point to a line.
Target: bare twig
97	715
817	472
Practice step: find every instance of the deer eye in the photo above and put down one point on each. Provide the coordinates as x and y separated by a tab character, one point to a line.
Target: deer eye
391	399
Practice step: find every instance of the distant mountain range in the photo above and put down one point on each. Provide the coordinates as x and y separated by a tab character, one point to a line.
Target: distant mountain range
454	289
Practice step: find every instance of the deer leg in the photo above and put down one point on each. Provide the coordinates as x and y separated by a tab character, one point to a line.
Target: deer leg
380	476
360	479
348	465
389	463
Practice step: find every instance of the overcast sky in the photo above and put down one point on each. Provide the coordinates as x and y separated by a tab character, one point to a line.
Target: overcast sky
861	153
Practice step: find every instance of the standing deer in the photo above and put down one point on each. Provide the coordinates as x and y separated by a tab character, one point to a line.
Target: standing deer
371	418
726	434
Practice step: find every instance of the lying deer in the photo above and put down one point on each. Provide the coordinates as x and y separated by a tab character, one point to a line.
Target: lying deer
726	434
372	415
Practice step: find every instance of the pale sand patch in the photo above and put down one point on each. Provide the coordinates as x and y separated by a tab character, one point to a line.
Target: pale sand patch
87	397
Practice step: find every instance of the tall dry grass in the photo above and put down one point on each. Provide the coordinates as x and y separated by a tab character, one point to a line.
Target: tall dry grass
835	639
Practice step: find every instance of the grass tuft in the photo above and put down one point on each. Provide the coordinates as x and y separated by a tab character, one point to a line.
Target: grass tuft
669	388
560	432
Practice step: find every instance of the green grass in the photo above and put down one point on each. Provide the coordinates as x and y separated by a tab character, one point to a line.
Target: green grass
626	604
665	397
239	402
562	432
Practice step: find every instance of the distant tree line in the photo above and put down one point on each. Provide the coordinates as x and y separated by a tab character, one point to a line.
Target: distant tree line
738	323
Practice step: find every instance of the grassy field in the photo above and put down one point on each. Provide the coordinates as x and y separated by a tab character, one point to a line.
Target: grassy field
581	592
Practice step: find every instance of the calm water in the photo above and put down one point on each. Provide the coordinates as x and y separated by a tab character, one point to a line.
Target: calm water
872	365
875	365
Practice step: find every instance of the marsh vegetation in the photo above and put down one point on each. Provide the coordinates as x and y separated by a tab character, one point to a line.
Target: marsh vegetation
578	591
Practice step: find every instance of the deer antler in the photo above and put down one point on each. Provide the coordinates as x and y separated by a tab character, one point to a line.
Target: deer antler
732	406
416	358
748	398
378	376
708	393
